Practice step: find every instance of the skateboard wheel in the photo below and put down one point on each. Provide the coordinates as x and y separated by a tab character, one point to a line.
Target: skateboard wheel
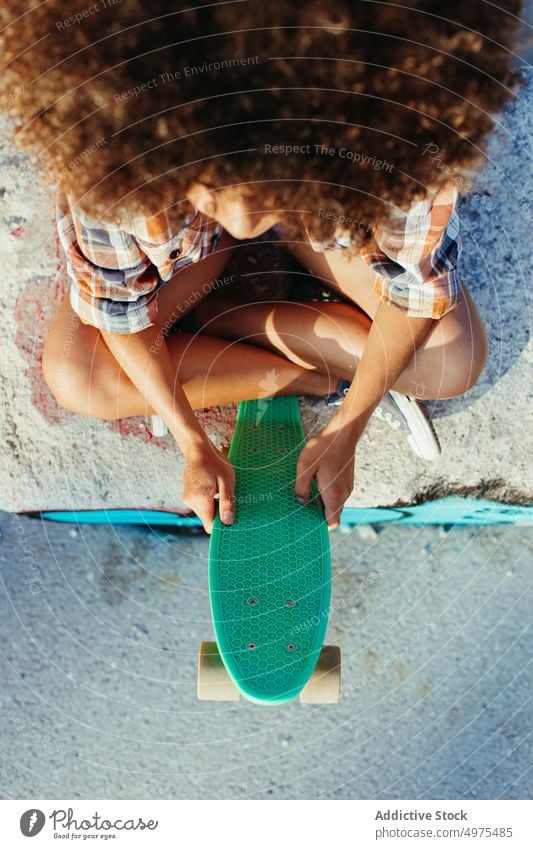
323	687
214	683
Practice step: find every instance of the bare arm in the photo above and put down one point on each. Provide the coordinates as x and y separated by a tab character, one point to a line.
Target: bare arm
390	347
145	358
330	455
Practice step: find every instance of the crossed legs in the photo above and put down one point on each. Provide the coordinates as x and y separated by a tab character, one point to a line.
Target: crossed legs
259	350
84	376
330	337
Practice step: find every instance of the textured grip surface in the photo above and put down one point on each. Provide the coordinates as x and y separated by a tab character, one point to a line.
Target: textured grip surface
269	572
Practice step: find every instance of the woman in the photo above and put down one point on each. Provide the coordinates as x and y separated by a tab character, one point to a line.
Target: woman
177	137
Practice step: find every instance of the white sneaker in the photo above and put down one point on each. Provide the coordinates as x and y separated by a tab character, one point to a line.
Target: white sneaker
159	427
401	412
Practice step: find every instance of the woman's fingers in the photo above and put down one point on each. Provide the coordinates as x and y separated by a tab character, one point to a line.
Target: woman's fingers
226	503
305	471
202	501
330	460
209	476
205	510
333	504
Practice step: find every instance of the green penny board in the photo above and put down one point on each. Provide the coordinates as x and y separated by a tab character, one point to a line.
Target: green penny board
270	572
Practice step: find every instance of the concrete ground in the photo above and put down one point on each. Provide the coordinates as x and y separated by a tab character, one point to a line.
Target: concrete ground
99	626
56	459
99	632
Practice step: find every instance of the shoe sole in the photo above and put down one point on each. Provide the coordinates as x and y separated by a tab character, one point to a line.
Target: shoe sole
422	437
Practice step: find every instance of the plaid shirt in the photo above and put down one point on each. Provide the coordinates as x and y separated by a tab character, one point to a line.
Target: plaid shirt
115	273
415	256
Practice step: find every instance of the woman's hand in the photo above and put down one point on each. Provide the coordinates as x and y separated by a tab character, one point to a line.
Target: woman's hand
208	472
329	457
145	358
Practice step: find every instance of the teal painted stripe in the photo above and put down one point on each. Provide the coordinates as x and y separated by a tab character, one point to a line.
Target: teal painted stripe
446	511
122	517
452	510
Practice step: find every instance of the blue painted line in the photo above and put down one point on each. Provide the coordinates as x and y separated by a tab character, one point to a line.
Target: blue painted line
452	510
123	517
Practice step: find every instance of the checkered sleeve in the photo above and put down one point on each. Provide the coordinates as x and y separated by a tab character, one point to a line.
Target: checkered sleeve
416	257
113	281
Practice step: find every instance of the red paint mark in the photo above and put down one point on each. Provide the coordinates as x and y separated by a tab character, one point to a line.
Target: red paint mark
217	416
137	426
35	309
17	232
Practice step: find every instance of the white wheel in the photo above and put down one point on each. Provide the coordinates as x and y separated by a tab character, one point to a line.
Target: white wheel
214	683
323	687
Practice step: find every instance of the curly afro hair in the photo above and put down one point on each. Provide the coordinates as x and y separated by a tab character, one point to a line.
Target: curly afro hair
302	107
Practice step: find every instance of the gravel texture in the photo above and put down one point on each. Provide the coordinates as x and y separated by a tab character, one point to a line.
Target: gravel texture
100	630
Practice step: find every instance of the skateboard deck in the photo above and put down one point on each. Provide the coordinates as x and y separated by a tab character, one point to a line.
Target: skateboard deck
270	572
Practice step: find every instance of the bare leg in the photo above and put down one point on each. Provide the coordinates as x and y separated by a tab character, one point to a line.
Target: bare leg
211	371
331	336
313	335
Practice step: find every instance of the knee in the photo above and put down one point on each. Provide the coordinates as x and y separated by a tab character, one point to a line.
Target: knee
463	362
73	385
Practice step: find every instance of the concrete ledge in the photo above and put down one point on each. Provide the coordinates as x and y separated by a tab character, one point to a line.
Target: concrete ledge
54	459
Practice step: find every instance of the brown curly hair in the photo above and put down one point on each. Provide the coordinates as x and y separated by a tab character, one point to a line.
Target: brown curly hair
308	106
